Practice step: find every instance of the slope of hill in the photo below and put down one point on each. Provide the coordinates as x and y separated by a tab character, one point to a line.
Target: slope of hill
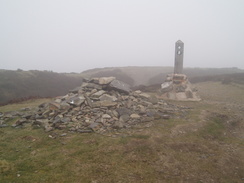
16	85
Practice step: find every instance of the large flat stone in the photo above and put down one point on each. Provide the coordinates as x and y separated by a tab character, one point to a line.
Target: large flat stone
92	85
98	94
104	103
76	101
108	97
120	86
105	80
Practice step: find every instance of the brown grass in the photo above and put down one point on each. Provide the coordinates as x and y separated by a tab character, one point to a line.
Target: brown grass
210	150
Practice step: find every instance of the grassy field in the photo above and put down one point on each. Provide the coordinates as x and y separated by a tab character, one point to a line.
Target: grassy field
205	143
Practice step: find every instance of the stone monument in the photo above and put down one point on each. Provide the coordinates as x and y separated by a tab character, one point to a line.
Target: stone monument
176	85
179	53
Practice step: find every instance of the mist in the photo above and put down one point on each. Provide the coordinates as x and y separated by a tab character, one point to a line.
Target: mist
73	36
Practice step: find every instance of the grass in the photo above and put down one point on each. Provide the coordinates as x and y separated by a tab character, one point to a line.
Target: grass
215	91
214	129
25	104
140	155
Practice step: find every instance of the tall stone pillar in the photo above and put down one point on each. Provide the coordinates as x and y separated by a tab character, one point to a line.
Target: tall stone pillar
179	52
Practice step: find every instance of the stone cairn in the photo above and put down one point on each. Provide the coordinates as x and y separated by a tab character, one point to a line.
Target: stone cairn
177	87
98	105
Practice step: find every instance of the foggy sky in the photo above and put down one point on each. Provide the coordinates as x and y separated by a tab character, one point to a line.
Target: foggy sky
76	35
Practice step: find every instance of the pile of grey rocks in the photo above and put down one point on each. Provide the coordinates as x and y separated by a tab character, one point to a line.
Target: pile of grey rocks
98	105
178	87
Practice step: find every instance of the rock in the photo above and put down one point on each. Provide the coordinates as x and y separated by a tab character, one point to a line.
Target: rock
124	118
165	116
84	131
181	96
37	116
150	113
94	80
41	122
115	113
58	100
3	125
118	124
8	115
48	128
61	126
108	97
144	95
65	120
153	99
24	109
89	101
45	114
142	109
92	92
123	110
166	86
177	87
106	116
147	119
171	96
76	101
180	88
27	115
99	120
64	106
57	120
95	126
43	105
74	119
189	94
98	94
138	92
93	86
104	103
1	122
120	86
54	106
105	80
135	116
19	122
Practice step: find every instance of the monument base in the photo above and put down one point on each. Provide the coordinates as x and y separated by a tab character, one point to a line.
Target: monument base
177	87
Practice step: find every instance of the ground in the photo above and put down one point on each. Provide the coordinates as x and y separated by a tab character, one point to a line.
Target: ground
203	142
